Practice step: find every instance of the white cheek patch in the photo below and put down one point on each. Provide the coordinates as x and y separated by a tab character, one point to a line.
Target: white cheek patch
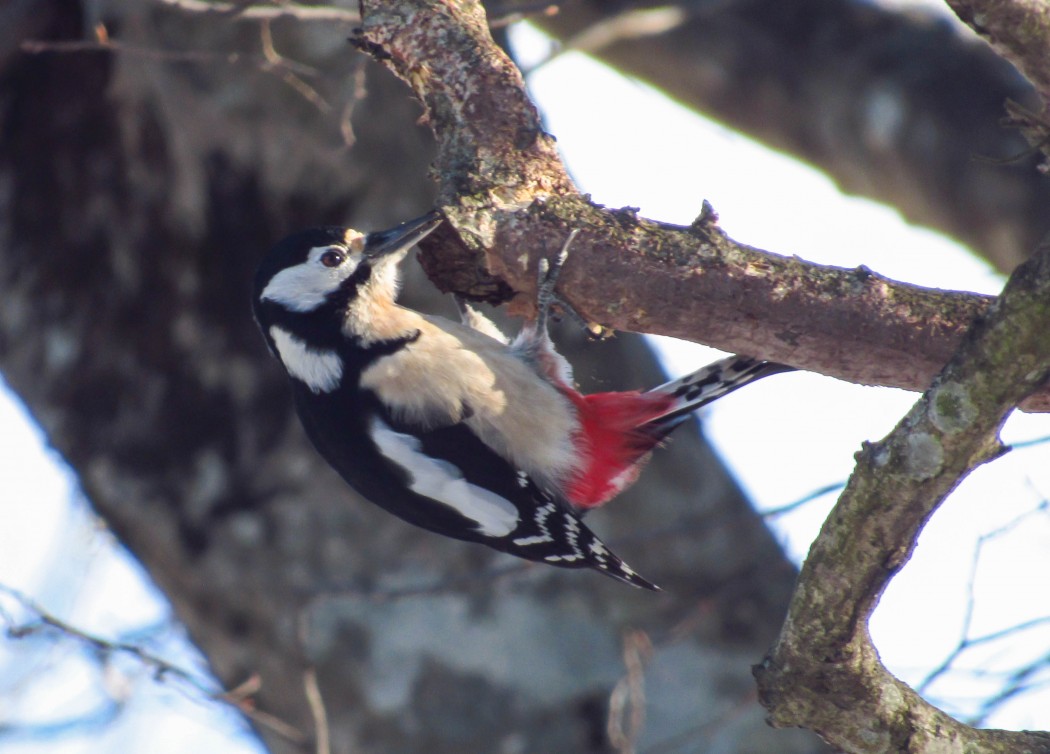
305	286
440	480
321	371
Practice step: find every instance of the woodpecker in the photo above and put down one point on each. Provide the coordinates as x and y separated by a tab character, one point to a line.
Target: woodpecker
450	425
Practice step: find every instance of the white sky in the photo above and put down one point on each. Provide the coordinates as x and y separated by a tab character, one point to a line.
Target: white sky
783	437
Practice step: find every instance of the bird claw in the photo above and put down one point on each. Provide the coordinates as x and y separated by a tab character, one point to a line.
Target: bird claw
546	296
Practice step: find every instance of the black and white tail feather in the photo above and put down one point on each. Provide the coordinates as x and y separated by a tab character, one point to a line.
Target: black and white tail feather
707	384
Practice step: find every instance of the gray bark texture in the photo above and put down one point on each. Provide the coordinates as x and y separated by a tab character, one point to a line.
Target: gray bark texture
138	188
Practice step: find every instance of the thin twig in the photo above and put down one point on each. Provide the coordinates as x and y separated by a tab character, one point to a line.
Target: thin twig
627	700
966	641
500	17
807	498
630	24
254	12
38	47
282	65
270	62
1018	685
1030	443
317	710
160	667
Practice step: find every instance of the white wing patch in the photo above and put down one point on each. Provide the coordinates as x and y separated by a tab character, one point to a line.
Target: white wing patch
440	480
321	371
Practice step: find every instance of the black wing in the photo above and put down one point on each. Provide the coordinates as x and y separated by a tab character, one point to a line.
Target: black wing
545	529
448	481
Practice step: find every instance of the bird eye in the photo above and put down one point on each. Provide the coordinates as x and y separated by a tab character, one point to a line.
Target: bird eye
332	258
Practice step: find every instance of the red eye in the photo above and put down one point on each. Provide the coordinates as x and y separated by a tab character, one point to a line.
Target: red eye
332	258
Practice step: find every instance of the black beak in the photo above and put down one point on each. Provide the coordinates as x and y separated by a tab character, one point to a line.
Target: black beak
384	242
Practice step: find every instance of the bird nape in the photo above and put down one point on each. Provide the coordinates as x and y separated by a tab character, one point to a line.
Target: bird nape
450	425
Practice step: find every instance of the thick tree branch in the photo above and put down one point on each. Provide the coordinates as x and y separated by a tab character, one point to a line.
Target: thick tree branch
508	198
824	673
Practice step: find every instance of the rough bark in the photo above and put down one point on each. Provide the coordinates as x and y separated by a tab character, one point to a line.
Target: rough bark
139	189
824	672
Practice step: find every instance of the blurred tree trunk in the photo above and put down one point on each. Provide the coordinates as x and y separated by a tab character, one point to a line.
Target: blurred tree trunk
138	190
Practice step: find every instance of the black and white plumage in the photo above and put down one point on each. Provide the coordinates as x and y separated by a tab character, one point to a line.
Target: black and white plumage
436	421
450	425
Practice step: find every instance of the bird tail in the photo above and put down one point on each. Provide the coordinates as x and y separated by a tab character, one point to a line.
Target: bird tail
705	385
621	429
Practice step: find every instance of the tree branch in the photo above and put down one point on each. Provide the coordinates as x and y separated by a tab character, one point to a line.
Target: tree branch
824	673
509	200
1019	30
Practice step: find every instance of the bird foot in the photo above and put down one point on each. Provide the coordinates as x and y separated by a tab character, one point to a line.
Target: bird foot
546	296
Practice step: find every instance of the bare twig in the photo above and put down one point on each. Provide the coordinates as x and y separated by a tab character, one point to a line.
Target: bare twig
270	62
38	47
1016	681
285	70
1019	684
631	24
809	497
346	125
1030	443
161	668
251	11
500	16
317	710
627	700
43	618
966	641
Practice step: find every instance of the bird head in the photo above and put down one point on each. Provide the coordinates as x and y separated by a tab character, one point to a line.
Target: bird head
330	267
317	288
